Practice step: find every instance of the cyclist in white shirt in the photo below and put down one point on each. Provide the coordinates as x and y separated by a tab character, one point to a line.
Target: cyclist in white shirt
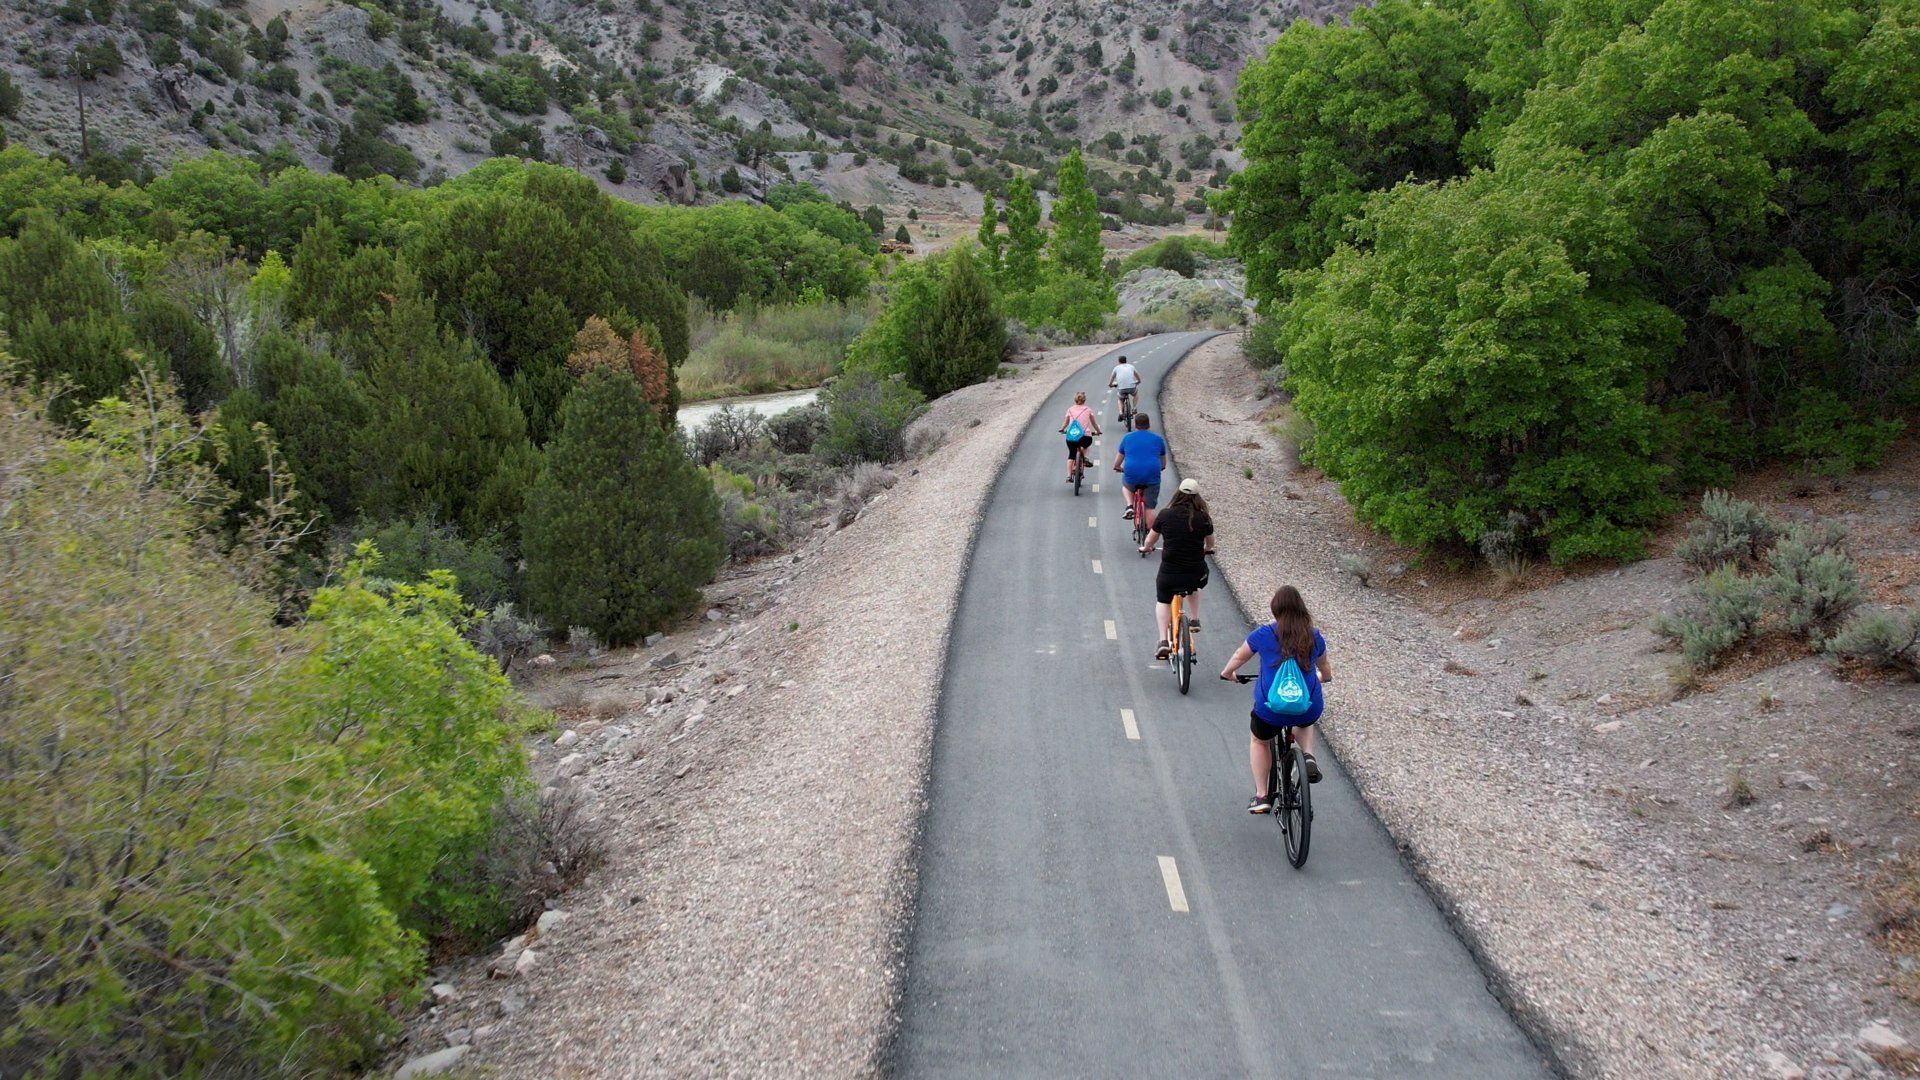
1126	379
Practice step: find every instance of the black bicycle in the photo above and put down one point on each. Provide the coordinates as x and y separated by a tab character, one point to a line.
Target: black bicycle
1292	794
1126	412
1079	470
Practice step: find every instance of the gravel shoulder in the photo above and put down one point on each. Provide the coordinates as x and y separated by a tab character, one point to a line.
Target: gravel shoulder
1603	952
759	777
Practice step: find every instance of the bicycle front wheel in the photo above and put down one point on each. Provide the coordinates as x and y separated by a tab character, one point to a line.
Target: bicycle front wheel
1294	807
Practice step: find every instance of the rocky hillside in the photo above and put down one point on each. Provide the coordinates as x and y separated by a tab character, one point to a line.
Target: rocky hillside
899	103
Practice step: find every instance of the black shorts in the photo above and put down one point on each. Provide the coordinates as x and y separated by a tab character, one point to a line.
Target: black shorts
1075	447
1167	585
1264	731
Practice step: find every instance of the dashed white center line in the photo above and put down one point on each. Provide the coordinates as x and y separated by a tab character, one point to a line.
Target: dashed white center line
1113	632
1170	874
1093	522
1096	489
1126	721
1096	566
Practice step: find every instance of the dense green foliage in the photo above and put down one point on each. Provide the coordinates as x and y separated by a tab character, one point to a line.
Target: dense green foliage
1540	268
620	529
229	863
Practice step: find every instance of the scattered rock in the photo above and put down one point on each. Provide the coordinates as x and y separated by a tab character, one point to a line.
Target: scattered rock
485	1032
1778	1066
1609	727
526	961
1883	495
1799	781
567	738
655	638
1395	570
511	1005
459	1037
714	614
1603	699
543	660
433	1064
666	660
444	993
573	765
1839	911
1886	1046
549	921
1523	701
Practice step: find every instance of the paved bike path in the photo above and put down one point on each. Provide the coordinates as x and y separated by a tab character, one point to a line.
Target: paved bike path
1047	939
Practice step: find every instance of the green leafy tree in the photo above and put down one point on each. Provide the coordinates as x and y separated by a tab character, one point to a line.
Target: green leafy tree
523	269
991	242
1076	222
1482	365
621	530
1024	238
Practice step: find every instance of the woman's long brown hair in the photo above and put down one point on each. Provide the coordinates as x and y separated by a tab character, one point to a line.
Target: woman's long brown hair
1196	509
1292	624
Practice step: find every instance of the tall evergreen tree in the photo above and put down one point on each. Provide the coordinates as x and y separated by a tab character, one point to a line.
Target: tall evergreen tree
64	316
443	436
621	530
1021	271
964	337
315	408
1076	221
991	242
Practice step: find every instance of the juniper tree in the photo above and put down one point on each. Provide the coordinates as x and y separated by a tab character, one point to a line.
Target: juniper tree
620	530
1076	222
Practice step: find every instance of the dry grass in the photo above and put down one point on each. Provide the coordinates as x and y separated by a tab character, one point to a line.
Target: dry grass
1893	903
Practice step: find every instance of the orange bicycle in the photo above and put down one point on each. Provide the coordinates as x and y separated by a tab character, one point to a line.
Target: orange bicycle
1180	638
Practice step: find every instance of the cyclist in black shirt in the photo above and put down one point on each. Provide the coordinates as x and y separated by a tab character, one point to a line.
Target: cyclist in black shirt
1188	531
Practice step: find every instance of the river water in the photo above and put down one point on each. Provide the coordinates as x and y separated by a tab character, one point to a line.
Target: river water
692	416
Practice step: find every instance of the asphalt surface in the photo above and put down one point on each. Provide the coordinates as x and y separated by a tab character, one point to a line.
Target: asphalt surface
1058	850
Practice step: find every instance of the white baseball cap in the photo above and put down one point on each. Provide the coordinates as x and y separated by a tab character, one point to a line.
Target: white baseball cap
1190	486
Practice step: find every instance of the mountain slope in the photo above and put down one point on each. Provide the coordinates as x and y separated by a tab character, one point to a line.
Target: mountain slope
658	100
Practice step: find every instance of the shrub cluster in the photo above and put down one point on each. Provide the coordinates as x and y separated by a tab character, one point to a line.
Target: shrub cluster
1753	566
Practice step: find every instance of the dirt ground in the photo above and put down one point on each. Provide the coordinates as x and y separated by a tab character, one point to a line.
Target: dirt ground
1750	825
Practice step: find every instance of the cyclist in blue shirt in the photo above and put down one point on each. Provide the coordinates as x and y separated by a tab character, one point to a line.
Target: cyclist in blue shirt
1290	634
1142	458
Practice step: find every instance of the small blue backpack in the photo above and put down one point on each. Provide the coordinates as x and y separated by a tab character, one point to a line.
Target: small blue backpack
1288	695
1074	431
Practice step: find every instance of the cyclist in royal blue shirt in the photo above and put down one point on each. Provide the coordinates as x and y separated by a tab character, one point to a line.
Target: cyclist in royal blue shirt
1141	459
1290	634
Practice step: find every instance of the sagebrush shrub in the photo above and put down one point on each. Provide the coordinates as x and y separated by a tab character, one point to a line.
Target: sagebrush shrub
410	548
1885	637
1726	609
1727	530
867	419
758	520
504	634
796	430
1813	582
728	432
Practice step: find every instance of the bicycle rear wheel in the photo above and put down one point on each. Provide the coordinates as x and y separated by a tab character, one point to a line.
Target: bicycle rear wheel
1140	524
1079	474
1294	806
1183	652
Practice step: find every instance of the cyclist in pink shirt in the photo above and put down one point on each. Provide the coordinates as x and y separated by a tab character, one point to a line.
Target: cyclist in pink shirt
1089	427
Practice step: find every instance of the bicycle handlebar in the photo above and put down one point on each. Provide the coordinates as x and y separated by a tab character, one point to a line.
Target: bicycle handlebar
1240	677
